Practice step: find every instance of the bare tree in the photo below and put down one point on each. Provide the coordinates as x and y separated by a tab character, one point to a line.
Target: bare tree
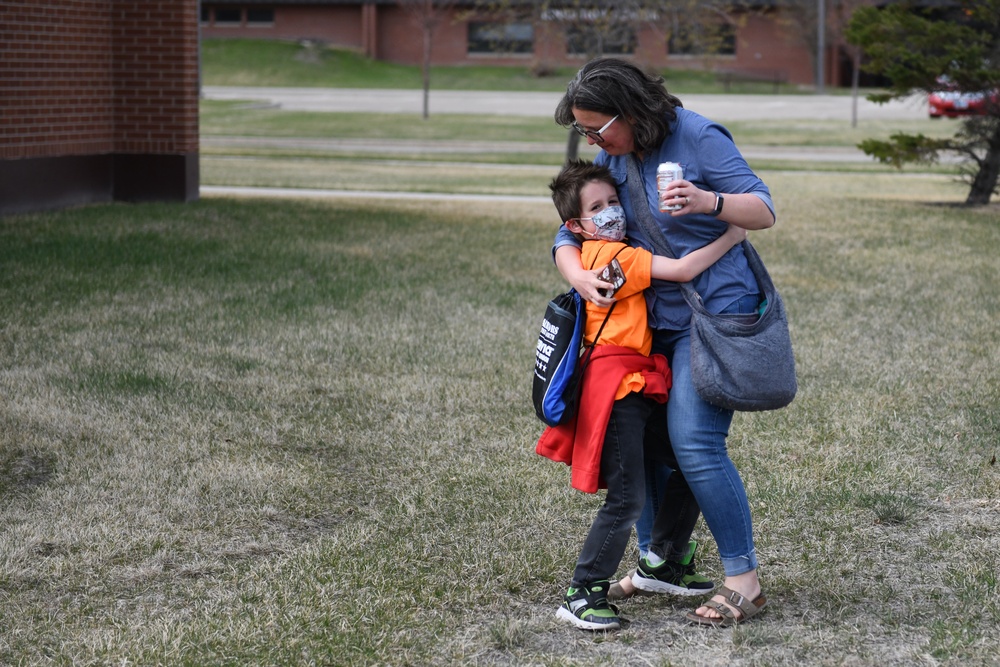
595	28
803	19
427	16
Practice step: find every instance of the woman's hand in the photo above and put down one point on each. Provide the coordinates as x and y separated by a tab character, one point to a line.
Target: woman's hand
690	199
743	210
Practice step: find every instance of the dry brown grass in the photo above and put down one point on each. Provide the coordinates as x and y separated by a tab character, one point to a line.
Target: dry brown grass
298	433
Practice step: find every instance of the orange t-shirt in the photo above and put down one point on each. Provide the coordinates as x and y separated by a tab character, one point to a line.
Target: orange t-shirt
628	325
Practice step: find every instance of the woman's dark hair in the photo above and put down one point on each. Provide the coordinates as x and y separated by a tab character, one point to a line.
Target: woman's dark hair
618	87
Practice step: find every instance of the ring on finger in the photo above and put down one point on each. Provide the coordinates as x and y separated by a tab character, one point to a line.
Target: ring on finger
687	200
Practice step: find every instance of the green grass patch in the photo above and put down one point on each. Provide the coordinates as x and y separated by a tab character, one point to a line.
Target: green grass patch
247	144
453	177
252	62
229	118
261	62
249	62
235	118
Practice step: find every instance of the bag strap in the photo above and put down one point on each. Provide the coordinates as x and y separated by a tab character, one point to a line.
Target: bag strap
640	206
601	328
590	348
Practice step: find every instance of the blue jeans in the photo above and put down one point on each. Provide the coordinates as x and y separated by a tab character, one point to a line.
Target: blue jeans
656	481
669	516
698	432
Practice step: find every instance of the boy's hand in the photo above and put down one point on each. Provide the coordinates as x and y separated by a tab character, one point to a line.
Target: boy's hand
590	287
584	281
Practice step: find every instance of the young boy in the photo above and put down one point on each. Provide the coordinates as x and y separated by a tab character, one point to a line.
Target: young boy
604	442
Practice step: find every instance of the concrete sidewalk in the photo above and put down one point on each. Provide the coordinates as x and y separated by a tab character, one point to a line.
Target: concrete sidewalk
722	108
383	147
365	195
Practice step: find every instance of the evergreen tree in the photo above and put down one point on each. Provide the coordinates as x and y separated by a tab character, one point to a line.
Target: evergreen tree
919	45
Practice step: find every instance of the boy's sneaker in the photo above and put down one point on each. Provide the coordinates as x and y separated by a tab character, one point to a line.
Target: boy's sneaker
587	608
674	577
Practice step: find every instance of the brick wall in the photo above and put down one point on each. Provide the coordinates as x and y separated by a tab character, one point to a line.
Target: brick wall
765	42
98	101
155	64
400	38
55	77
338	24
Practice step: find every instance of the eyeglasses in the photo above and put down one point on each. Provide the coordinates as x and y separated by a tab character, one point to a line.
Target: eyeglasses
593	134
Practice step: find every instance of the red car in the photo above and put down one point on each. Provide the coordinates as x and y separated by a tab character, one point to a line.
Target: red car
952	103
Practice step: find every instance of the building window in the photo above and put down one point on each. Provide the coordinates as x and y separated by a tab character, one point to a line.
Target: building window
206	15
260	17
496	38
702	40
228	16
600	39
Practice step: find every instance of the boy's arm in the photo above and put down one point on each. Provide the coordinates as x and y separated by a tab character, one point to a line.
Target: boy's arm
586	282
690	265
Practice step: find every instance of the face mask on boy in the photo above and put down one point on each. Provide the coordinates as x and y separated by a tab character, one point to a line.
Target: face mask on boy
610	224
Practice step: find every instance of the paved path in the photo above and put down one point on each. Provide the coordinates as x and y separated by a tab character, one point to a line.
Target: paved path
383	147
368	195
722	108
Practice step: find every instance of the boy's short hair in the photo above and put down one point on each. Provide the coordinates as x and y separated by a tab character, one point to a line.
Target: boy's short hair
568	183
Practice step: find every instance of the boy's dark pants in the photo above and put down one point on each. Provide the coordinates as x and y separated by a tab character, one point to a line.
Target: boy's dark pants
623	469
636	437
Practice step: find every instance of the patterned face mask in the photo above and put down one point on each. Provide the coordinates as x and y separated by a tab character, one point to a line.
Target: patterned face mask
610	224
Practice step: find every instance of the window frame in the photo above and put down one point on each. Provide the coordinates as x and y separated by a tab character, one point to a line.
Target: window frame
251	22
502	45
227	23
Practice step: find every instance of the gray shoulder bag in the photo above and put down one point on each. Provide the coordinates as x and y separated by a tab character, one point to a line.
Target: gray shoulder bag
738	362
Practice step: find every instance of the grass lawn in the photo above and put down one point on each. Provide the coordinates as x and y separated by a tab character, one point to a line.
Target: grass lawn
262	62
245	144
298	432
283	432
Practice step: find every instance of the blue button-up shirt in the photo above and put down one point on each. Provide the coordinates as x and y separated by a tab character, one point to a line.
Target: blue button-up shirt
711	162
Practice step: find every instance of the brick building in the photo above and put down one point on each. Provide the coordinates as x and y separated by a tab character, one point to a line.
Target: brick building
755	39
98	102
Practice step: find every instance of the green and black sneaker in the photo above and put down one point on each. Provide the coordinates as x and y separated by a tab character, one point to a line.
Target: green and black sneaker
674	577
587	608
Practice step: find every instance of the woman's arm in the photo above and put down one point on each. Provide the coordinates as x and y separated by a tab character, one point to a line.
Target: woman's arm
585	282
690	265
743	210
723	171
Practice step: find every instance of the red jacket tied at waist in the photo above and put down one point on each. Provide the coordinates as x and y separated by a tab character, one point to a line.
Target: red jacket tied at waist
578	443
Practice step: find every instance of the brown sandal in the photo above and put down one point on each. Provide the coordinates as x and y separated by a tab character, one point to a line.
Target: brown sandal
748	609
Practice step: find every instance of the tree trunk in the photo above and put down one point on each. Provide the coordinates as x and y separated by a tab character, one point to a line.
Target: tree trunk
572	145
428	30
855	80
985	181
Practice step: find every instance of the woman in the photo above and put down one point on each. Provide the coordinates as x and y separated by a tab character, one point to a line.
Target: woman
631	116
